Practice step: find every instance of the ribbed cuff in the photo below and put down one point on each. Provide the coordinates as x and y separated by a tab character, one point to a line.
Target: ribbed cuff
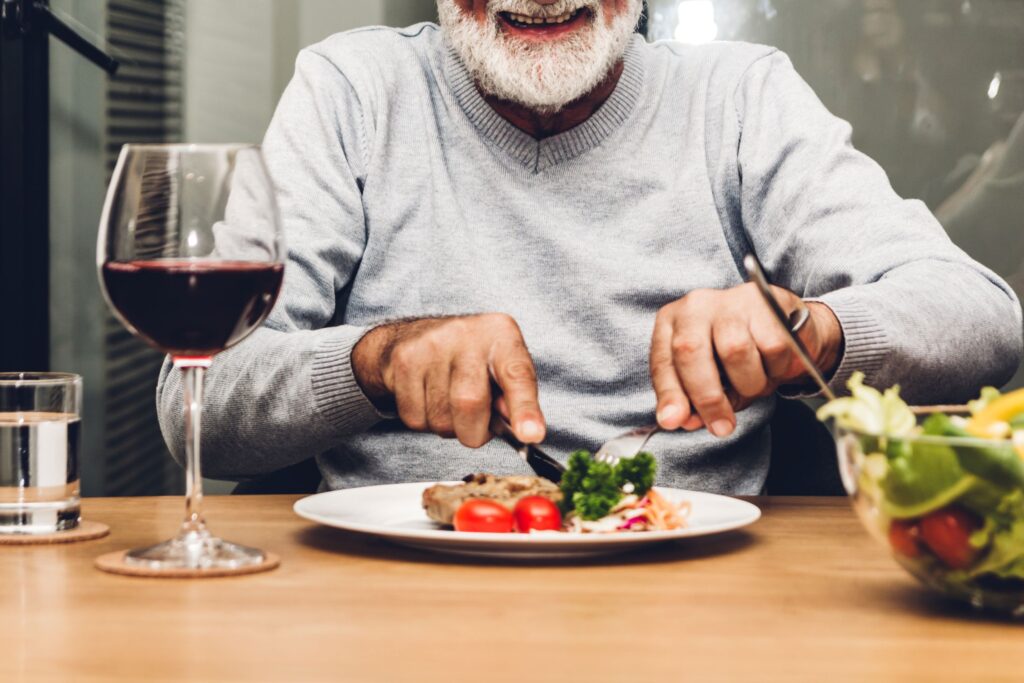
865	343
339	398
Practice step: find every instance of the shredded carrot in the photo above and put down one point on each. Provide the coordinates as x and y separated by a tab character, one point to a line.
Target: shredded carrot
666	515
659	519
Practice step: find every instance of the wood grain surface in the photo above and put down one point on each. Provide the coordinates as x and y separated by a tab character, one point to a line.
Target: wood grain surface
803	595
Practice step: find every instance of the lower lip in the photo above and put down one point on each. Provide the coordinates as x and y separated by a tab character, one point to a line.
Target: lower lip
544	31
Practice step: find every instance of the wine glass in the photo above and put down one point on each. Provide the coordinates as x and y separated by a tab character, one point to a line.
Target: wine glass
191	259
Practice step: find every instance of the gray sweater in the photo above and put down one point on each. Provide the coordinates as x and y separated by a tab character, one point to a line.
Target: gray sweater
404	194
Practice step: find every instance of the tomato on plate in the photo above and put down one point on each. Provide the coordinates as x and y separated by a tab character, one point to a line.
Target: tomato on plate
479	514
947	532
537	513
903	537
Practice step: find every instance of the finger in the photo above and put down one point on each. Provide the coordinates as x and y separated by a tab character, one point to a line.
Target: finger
673	406
438	409
500	404
739	356
739	403
770	339
410	397
695	362
512	368
693	423
470	401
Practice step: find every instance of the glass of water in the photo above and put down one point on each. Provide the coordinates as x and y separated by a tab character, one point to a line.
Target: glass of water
40	438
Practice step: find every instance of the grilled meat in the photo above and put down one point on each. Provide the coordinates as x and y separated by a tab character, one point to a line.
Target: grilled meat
442	500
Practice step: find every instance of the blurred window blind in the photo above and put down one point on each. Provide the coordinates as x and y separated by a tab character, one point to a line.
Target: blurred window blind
144	105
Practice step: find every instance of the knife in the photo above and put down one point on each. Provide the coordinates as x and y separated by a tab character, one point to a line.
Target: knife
539	461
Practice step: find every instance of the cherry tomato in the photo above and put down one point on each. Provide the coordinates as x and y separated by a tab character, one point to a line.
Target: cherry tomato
947	532
478	514
903	537
537	512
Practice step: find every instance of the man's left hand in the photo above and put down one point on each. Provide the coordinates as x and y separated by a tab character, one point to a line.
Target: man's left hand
715	351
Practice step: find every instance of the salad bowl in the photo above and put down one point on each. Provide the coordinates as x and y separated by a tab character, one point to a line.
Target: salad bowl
944	493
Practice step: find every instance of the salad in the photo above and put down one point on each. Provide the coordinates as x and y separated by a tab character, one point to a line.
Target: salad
946	494
600	498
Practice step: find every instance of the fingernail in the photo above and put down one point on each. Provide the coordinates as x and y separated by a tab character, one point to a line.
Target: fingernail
668	412
530	429
721	428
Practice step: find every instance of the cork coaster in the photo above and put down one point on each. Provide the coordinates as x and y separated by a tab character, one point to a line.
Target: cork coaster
85	531
114	563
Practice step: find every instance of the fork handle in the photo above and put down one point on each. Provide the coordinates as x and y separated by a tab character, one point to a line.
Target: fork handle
791	327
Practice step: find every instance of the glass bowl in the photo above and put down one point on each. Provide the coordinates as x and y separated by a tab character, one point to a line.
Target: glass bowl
945	508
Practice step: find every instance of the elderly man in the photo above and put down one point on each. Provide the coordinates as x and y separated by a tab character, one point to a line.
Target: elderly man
528	207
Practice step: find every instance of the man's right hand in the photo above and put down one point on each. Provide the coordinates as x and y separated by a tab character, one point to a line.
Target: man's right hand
440	371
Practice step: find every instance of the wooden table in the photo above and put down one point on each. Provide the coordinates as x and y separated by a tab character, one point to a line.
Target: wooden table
803	595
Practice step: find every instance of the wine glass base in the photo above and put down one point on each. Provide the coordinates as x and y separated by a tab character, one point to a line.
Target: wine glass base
196	550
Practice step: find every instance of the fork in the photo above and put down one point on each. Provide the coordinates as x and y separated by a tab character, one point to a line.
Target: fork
791	323
625	445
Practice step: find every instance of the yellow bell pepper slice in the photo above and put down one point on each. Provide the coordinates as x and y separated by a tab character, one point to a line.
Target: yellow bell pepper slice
988	423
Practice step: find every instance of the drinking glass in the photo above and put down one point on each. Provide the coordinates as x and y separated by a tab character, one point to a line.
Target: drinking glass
40	438
191	259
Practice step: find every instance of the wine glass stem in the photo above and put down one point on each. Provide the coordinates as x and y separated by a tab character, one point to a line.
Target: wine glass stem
193	395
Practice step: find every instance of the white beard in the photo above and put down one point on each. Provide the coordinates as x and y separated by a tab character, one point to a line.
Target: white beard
541	76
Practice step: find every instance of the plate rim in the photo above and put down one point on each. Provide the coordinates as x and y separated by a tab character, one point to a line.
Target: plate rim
452	537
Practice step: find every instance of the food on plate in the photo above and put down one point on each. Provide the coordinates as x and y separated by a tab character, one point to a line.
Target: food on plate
441	501
536	513
601	498
948	493
594	497
483	515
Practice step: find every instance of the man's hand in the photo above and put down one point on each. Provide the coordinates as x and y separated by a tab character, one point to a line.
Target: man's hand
440	371
715	351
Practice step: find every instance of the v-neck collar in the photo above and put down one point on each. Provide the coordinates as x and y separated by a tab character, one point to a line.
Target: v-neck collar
539	155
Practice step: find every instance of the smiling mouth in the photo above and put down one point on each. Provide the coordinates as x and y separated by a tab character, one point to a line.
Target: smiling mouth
525	22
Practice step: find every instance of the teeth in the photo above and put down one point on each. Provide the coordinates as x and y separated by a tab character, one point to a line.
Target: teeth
524	19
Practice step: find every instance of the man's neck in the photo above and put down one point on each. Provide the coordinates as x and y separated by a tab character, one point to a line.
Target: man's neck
573	114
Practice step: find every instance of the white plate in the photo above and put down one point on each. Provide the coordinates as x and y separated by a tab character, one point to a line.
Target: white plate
394	512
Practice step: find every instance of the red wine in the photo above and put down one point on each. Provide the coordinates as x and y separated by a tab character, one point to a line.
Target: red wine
192	308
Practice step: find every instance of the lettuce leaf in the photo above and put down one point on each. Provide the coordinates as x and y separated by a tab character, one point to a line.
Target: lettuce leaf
1003	534
997	463
988	394
870	411
982	498
925	479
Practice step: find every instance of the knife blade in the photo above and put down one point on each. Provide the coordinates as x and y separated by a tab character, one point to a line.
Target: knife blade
539	461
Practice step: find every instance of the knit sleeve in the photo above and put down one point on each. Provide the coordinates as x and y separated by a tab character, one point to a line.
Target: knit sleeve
826	224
